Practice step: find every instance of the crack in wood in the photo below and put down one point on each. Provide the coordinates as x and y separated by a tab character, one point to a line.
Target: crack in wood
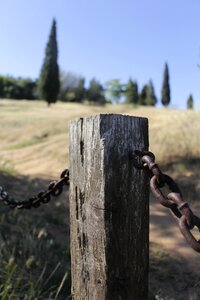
82	143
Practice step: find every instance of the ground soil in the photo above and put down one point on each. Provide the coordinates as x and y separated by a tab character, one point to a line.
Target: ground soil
165	232
174	272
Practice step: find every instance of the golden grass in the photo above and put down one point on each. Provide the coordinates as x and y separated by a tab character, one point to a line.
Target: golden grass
34	138
34	141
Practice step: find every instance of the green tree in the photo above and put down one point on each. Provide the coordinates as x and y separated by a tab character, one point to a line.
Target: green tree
131	92
1	87
17	88
80	90
150	95
114	90
49	83
165	87
190	102
143	95
68	84
95	92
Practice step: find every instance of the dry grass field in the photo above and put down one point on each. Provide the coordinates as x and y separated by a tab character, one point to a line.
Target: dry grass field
34	246
34	138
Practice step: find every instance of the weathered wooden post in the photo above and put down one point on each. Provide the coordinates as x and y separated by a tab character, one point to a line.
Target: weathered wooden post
109	215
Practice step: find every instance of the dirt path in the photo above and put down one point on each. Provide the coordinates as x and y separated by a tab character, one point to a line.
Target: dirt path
165	232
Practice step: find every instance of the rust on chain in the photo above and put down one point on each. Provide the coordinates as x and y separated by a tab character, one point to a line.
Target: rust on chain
174	200
55	188
183	208
184	228
154	168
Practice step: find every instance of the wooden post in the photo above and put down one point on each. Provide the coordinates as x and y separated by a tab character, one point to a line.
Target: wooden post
109	214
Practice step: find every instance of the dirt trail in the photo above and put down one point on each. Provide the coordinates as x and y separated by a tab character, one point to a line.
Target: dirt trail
165	232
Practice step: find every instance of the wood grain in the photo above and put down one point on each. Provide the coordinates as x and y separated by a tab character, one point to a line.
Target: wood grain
109	217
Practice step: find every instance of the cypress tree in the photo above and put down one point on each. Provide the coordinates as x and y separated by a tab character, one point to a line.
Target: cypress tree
190	102
131	92
165	87
49	83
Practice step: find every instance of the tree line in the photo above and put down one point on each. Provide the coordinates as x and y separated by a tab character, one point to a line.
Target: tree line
17	88
54	84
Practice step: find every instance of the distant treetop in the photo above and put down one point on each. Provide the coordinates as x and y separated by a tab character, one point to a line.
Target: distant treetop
49	83
190	102
165	99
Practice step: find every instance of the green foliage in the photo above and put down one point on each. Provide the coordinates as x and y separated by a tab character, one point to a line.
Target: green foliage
150	95
114	90
143	95
17	88
2	87
165	87
190	102
95	92
131	92
49	82
80	91
147	95
69	83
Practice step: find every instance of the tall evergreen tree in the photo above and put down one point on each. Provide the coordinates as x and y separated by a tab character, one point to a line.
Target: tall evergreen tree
49	83
190	102
143	95
131	92
165	87
150	95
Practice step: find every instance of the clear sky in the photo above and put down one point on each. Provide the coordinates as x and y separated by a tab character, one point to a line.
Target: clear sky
107	39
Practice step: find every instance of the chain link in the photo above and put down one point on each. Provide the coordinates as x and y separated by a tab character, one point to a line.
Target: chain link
55	188
174	200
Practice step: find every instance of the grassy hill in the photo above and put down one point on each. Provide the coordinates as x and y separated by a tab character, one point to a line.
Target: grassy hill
34	245
34	138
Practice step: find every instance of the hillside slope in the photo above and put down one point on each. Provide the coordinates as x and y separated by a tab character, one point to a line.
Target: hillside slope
34	149
34	138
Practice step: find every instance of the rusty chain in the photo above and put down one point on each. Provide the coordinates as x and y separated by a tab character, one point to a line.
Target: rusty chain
174	200
55	188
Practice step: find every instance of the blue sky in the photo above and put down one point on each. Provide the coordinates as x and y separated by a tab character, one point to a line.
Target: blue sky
107	39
